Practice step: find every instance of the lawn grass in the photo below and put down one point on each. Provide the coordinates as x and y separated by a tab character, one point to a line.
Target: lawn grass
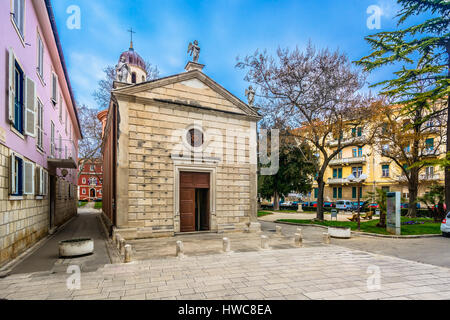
98	205
429	227
263	213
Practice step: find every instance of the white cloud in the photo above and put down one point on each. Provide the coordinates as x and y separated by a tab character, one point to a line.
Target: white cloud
85	71
389	8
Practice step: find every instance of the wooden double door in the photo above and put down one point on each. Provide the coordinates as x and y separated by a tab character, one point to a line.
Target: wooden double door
194	201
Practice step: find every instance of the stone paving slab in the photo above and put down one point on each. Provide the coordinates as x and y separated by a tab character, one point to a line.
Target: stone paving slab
208	243
323	272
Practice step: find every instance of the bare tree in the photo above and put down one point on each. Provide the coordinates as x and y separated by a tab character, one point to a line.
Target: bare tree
411	138
89	147
103	94
317	92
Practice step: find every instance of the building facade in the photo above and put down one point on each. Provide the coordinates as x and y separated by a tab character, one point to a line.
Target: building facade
39	128
179	155
90	180
381	171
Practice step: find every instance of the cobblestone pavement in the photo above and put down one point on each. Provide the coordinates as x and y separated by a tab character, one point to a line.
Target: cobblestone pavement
85	224
433	250
209	243
322	272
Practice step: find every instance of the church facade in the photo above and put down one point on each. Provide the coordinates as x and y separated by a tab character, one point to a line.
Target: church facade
179	154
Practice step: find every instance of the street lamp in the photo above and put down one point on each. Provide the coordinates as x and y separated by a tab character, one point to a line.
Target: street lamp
359	180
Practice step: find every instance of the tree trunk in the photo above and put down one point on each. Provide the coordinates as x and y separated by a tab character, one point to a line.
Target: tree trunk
413	186
321	187
276	201
382	222
447	168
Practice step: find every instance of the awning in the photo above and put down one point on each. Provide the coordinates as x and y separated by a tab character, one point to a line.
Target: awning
62	163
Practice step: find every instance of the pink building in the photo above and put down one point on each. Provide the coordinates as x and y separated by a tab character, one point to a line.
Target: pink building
39	128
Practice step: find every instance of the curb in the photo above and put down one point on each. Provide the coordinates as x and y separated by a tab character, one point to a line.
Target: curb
8	267
367	234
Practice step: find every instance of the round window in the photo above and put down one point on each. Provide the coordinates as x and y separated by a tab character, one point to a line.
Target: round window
195	138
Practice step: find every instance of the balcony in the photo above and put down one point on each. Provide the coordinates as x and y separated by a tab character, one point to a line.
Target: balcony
353	140
422	177
430	177
431	152
347	161
338	180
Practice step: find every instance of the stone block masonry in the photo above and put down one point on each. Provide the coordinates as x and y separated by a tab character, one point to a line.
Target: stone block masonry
25	220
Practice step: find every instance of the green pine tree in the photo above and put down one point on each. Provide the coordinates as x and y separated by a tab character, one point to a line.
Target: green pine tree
424	51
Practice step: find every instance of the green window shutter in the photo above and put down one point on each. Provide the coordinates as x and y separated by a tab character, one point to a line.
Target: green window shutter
339	192
334	193
340	173
316	192
354	193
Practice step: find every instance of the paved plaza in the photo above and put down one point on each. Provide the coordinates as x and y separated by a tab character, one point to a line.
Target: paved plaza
321	272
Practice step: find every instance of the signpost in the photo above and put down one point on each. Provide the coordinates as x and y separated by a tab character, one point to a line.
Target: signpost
393	225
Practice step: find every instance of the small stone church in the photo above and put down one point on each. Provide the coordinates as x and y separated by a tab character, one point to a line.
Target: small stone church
179	154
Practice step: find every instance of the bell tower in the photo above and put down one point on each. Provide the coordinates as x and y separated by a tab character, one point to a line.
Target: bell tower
137	66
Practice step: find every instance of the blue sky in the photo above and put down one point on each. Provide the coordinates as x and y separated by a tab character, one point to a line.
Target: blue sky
224	29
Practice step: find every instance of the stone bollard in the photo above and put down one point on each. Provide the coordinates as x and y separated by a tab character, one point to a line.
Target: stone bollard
264	242
180	249
113	236
326	238
122	246
299	230
127	253
226	245
278	230
298	240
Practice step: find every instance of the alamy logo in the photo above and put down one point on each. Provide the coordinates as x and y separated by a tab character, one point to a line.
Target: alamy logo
374	20
73	282
74	20
374	280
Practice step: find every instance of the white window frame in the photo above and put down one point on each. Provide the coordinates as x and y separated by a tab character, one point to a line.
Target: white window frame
19	23
52	140
40	57
40	125
28	176
83	191
54	96
60	146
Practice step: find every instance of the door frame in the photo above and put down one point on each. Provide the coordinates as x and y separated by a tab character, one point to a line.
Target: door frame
212	193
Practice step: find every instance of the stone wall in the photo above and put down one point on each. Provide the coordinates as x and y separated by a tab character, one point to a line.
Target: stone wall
148	135
66	201
22	222
25	220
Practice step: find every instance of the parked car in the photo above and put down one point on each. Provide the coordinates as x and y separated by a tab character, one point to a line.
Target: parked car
355	204
406	205
445	225
373	206
344	205
328	204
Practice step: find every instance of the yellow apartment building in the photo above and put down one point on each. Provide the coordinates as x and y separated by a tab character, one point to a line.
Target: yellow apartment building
381	171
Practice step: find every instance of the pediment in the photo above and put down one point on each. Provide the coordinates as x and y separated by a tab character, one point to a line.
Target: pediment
193	88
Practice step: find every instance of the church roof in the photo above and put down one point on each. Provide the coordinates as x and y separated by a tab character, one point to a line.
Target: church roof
133	58
194	74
